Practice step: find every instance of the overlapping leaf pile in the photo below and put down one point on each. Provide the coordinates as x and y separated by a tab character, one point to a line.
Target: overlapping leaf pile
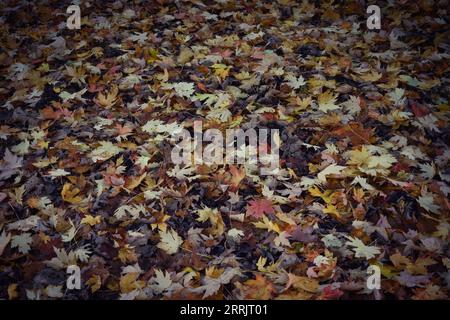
86	176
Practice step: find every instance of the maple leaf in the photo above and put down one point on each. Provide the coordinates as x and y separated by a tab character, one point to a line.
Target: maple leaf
400	262
185	173
408	280
215	219
108	100
237	175
366	134
428	121
267	224
426	201
123	130
134	210
327	101
363	183
83	253
221	114
24	224
371	77
70	234
153	126
105	151
257	208
383	161
211	285
10	165
358	157
22	242
331	169
182	89
70	193
78	75
129	282
301	283
22	148
62	259
18	71
140	37
17	196
90	220
258	289
221	70
170	241
161	282
428	170
353	105
356	133
127	254
420	265
294	82
361	250
4	240
331	241
397	96
282	239
58	173
94	282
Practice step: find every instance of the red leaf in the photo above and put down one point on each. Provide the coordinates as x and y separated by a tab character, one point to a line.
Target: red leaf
419	110
330	293
257	208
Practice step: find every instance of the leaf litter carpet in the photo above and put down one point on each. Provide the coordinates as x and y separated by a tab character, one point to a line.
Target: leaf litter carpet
86	176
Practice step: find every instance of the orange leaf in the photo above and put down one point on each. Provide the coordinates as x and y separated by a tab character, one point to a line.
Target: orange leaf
258	289
237	176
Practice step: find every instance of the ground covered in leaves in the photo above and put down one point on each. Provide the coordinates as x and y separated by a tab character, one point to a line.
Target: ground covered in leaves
86	176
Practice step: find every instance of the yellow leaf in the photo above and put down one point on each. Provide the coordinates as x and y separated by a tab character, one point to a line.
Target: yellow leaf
44	238
387	271
109	99
90	220
135	181
70	193
105	151
283	217
400	262
331	209
371	77
420	266
221	70
128	282
12	291
260	264
359	157
214	218
94	282
327	101
127	254
267	224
